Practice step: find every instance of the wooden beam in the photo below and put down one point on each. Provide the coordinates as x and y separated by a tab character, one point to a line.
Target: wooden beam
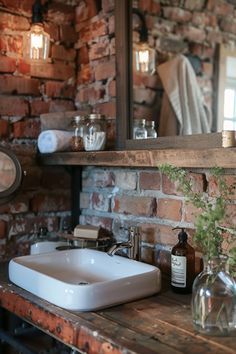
194	158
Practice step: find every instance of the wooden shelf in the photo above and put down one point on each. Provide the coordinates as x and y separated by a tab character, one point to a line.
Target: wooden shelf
194	158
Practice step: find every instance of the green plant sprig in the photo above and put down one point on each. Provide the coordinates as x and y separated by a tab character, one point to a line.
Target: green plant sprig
209	232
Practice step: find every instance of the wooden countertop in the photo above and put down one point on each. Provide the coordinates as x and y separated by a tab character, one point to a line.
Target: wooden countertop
158	324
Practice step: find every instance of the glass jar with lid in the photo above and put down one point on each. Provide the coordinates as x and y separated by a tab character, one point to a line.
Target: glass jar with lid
151	131
95	137
79	126
139	130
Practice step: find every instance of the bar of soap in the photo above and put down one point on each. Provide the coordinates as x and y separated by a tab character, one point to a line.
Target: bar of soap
86	231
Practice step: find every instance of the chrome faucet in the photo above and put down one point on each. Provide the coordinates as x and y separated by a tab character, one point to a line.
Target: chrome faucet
132	245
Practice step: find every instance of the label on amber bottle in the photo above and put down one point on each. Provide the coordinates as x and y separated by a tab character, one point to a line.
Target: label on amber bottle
178	271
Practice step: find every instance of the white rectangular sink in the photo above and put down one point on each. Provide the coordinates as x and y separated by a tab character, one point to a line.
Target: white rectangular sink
84	279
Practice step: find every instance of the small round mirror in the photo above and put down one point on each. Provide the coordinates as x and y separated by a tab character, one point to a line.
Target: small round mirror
10	174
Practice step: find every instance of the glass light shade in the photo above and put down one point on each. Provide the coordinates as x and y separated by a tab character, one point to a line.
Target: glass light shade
36	43
144	58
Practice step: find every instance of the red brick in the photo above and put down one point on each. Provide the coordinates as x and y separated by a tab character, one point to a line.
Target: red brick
39	107
220	8
169	209
228	25
26	129
26	225
90	94
11	44
19	85
108	5
142	206
49	202
85	75
7	65
53	31
107	108
191	33
101	221
149	180
67	34
13	106
59	89
105	70
61	106
111	25
83	55
57	71
4	128
103	179
213	188
191	213
197	180
61	53
112	88
8	21
177	14
86	10
94	30
60	13
155	233
100	202
150	6
99	50
23	67
194	5
204	19
25	5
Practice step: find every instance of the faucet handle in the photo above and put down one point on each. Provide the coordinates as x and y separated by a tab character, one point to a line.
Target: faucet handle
134	252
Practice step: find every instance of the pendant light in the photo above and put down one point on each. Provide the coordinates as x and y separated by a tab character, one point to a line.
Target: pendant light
37	41
144	56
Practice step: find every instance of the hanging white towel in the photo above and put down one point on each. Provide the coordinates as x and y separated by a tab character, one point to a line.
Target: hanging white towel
181	86
54	140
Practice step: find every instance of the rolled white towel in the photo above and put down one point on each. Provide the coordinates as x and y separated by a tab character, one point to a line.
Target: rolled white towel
54	140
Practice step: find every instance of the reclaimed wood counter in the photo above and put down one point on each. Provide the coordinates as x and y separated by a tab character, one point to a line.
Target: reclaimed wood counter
158	324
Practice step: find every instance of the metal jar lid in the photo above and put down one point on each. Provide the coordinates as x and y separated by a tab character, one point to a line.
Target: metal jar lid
96	116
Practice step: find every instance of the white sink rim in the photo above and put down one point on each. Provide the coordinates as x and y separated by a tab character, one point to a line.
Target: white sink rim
125	279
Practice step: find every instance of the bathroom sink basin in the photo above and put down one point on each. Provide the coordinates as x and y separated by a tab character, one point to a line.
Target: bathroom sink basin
84	279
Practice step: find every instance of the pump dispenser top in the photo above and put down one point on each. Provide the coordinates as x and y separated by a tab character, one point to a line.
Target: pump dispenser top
182	264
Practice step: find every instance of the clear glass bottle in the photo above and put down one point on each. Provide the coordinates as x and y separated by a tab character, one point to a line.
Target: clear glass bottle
95	137
151	131
80	128
214	299
139	130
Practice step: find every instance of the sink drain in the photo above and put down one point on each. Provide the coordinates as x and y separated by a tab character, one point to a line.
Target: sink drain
83	283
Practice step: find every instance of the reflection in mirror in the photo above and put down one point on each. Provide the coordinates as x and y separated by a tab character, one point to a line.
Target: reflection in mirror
10	175
186	93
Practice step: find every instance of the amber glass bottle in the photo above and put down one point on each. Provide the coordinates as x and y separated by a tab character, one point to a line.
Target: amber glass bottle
182	265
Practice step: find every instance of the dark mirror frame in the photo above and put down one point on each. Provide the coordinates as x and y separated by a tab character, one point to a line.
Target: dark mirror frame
124	95
9	193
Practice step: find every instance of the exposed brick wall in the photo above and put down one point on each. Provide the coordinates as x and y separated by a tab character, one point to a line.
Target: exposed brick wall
26	91
117	198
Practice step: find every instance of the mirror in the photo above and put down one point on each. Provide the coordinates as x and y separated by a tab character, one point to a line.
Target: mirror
10	174
196	30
